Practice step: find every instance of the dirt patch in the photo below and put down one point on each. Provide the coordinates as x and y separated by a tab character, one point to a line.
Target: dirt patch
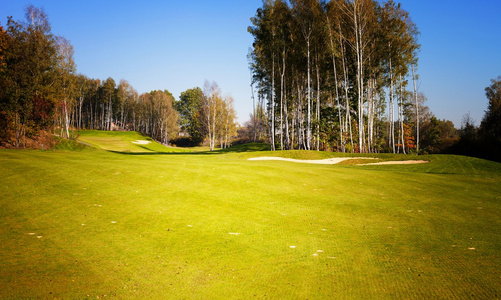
397	162
328	161
41	140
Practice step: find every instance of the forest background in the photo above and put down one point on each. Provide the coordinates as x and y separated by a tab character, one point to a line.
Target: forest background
364	126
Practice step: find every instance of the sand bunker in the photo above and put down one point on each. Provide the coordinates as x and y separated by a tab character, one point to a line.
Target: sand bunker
398	162
328	161
336	160
141	142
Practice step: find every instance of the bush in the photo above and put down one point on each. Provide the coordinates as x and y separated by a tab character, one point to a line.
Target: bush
184	142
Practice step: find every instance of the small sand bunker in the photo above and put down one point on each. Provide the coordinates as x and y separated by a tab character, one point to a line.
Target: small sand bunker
328	161
397	162
141	142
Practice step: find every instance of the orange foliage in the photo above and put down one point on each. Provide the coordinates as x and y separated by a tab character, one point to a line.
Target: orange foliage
409	139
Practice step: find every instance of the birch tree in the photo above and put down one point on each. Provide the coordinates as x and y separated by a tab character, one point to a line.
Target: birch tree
212	95
332	20
307	14
108	98
67	69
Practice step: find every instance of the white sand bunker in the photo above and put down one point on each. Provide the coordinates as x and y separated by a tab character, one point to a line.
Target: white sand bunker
141	142
328	161
335	160
398	162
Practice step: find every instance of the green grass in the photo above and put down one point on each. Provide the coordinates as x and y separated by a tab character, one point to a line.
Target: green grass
158	226
120	141
70	145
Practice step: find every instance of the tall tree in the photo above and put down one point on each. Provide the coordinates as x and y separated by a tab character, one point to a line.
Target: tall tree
5	121
164	115
219	116
4	41
212	97
490	127
29	75
226	125
108	99
308	14
400	36
66	68
190	111
332	20
123	95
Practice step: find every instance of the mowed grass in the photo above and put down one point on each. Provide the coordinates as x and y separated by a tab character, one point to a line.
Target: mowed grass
217	226
119	141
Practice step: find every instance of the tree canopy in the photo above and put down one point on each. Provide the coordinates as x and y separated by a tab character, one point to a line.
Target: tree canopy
491	123
340	58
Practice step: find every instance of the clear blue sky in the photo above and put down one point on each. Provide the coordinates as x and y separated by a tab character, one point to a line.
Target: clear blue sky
178	44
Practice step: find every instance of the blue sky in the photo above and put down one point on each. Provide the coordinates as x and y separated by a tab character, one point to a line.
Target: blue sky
177	44
460	53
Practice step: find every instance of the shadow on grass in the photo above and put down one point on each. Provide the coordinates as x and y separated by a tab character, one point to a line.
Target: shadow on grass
251	147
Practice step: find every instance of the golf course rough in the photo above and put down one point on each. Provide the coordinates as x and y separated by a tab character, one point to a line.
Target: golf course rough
216	225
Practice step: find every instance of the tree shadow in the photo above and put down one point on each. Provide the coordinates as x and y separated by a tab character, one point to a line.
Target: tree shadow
251	147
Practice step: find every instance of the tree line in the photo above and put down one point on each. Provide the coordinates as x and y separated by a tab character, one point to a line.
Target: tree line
41	91
338	75
341	75
326	73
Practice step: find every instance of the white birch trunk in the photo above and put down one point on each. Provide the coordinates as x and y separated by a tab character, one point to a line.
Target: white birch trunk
287	140
341	139
308	124
417	108
282	104
66	119
273	103
347	100
392	112
359	77
318	105
402	133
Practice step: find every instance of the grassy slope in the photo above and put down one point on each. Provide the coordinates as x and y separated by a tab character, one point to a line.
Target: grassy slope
123	142
385	231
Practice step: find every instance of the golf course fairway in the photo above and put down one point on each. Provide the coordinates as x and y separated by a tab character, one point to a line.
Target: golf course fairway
161	224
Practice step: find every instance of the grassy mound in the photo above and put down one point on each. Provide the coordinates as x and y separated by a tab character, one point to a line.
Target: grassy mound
120	141
215	225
